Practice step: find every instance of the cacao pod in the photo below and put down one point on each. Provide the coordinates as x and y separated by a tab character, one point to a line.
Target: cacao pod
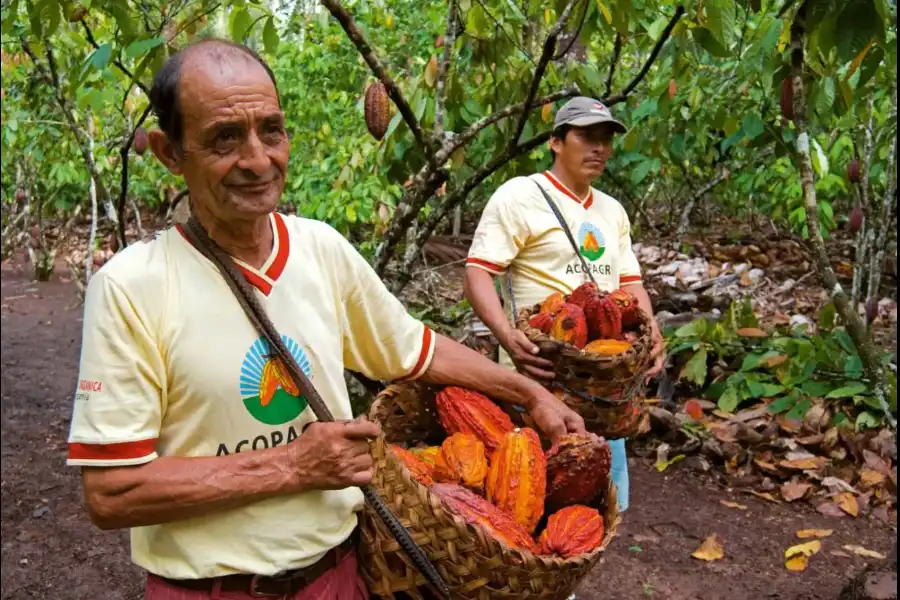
517	479
853	171
418	468
787	99
461	410
572	531
604	319
377	110
479	512
20	195
434	458
140	140
871	310
628	306
464	455
578	469
607	347
570	325
854	223
583	293
552	303
543	321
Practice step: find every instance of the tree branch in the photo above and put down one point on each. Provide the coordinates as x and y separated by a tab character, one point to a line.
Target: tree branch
849	315
356	36
443	69
876	263
123	194
458	195
621	96
546	55
90	38
563	51
617	50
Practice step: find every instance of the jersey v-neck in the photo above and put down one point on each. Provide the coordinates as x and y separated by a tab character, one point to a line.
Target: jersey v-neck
585	202
265	277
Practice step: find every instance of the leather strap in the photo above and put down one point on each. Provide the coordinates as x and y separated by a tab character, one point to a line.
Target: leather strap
565	228
246	297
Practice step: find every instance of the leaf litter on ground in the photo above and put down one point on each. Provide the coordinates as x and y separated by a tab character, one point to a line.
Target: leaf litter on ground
711	549
796	558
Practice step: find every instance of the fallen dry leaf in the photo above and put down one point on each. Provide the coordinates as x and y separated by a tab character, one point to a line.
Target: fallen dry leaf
840	553
765	496
767	466
860	551
752	332
804	464
797	557
814	533
848	503
710	549
732	505
870	478
794	491
776	360
876	463
830	509
694	409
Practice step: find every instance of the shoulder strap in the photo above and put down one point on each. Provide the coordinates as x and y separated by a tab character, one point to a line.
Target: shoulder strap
565	228
257	315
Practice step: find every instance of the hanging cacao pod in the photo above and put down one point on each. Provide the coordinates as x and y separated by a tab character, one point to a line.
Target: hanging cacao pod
854	223
140	140
853	171
377	110
871	310
787	98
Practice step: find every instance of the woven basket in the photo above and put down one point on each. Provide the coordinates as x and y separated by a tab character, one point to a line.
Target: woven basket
607	391
471	562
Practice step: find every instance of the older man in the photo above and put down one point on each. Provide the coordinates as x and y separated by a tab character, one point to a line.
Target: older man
187	432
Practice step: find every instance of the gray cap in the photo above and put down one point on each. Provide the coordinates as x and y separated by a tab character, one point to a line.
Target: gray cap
583	111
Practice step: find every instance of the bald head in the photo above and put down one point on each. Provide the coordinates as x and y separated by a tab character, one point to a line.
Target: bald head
212	61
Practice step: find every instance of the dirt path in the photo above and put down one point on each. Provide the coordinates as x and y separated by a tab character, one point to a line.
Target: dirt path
50	550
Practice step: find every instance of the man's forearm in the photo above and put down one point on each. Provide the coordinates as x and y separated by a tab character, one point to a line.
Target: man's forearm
173	488
456	364
643	298
479	290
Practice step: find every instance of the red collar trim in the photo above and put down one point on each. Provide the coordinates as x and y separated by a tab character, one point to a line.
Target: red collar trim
586	203
264	281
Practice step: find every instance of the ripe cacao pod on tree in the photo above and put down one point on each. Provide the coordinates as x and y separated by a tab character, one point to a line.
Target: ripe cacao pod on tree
853	171
461	410
20	195
419	469
787	98
572	531
854	223
476	510
140	140
377	109
517	479
464	455
578	469
570	325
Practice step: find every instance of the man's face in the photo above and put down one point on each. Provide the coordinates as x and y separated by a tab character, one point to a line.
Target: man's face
234	145
585	150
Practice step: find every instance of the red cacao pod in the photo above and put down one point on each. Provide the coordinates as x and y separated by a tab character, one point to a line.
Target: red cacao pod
578	469
854	223
552	303
464	455
377	110
572	531
542	321
479	512
570	325
787	98
604	319
461	410
20	195
584	293
517	480
853	171
419	469
140	141
628	307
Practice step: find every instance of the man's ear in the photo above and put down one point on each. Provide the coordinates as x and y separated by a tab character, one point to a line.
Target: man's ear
556	144
165	151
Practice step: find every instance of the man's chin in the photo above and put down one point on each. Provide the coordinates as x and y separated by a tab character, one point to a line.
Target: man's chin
256	203
593	171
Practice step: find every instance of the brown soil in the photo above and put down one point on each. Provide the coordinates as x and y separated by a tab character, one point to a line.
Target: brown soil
50	549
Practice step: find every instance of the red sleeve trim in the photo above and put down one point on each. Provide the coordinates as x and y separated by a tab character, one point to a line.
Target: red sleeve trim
115	451
629	279
424	353
487	266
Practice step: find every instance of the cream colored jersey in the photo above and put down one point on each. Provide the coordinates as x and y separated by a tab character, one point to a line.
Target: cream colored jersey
171	366
520	238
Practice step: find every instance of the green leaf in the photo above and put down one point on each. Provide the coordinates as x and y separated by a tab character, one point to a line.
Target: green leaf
845	341
847	391
240	24
270	36
100	57
695	369
729	400
708	42
752	125
721	20
871	63
827	316
782	404
696	328
816	389
656	29
140	47
866	420
853	369
799	410
641	171
648	107
858	24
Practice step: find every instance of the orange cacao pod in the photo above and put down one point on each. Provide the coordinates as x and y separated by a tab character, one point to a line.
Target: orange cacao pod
464	454
607	347
517	479
543	321
584	293
570	325
434	458
578	469
479	512
462	410
572	531
552	303
628	306
419	469
377	109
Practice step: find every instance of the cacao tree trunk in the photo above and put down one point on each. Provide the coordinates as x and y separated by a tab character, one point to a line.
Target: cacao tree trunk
883	223
89	259
863	236
849	315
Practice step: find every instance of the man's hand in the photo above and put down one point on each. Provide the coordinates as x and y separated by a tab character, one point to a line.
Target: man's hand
333	456
657	354
525	355
552	416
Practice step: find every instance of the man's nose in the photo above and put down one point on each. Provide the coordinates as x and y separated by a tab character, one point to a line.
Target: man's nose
253	156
